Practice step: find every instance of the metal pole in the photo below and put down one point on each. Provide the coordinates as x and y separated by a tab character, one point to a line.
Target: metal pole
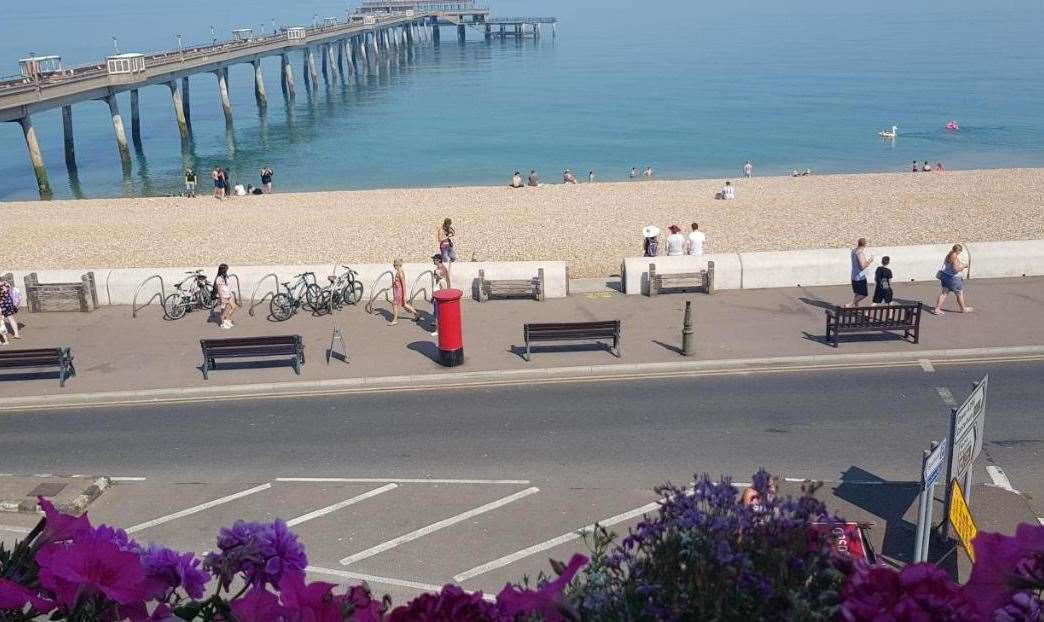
688	341
929	510
922	511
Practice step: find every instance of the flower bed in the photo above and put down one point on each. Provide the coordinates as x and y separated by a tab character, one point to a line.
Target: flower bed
708	554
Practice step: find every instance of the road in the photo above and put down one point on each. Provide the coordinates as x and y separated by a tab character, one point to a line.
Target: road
518	465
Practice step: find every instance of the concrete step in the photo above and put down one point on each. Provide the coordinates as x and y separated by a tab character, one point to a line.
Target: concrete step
610	285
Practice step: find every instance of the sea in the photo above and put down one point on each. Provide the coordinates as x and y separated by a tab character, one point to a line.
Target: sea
691	88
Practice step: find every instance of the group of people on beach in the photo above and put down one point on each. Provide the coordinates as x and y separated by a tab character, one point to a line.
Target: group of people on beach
676	244
949	277
926	168
569	177
223	186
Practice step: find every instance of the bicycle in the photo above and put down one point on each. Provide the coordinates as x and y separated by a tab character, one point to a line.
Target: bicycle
303	292
192	293
343	289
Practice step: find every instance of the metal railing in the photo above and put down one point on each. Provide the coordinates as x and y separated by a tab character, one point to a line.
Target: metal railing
162	295
253	296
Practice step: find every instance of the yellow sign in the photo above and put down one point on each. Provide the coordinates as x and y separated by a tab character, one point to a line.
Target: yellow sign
961	519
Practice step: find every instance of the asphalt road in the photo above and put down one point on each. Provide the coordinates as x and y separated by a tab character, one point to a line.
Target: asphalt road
591	449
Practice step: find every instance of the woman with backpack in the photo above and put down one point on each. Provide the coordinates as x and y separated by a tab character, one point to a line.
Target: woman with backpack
10	298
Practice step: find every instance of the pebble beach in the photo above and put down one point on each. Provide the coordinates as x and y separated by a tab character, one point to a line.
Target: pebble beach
591	226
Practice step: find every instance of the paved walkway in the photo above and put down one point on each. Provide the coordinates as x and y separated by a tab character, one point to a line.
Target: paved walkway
116	353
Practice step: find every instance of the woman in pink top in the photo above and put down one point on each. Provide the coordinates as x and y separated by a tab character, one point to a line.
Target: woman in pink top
399	293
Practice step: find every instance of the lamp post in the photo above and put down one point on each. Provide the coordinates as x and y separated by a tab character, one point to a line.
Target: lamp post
181	50
115	46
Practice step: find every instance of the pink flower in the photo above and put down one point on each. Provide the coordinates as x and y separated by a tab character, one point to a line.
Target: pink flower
362	607
259	605
311	602
90	567
14	596
921	592
996	557
451	604
60	527
547	600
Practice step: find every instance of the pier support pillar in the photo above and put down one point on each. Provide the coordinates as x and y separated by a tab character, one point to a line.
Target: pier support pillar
70	146
436	34
408	32
344	60
185	102
177	97
462	33
311	75
226	103
489	32
331	63
121	134
259	86
287	78
135	118
36	156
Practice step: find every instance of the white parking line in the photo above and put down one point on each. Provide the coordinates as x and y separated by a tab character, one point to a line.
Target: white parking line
197	508
14	529
125	478
999	478
398	480
343	504
927	366
946	396
446	522
369	578
1040	520
552	543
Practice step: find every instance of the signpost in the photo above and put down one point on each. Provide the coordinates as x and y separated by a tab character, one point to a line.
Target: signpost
965	441
961	518
932	462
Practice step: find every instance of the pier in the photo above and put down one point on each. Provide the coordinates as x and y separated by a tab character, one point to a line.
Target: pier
335	48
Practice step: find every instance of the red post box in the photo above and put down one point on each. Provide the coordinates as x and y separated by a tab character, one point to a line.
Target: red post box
451	338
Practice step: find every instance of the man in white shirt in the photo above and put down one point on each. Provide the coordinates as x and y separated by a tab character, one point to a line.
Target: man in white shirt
748	169
696	238
675	242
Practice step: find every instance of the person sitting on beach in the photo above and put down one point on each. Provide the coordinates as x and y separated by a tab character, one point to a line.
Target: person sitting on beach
534	180
239	190
634	172
695	244
255	190
807	172
650	242
927	168
795	173
675	242
728	192
648	172
568	177
516	180
915	169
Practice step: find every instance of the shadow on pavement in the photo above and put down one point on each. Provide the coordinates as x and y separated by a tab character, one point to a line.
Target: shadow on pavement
888	501
427	348
667	346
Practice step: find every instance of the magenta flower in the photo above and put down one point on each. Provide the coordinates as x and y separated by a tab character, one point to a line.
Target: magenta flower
919	592
259	605
359	605
91	567
60	527
997	559
14	596
167	570
547	600
313	602
451	604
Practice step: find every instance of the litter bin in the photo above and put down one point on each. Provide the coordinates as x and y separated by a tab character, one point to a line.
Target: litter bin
451	339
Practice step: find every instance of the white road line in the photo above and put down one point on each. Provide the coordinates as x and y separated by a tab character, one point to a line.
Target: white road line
398	480
552	543
446	522
343	504
927	366
999	478
124	478
14	529
197	508
369	578
946	396
1040	520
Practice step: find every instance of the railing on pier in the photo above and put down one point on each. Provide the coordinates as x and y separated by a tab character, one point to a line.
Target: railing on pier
521	20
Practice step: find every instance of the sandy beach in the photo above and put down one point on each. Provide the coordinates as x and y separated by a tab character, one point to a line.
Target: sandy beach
592	226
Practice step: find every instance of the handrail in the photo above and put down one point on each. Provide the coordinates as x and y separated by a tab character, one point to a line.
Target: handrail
374	292
134	301
254	303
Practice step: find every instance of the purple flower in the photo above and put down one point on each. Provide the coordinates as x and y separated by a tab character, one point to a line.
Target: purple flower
114	535
451	604
262	552
282	550
167	570
14	596
359	606
312	602
259	605
91	567
547	600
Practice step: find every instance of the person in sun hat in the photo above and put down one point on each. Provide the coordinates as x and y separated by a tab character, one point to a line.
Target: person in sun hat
675	242
650	245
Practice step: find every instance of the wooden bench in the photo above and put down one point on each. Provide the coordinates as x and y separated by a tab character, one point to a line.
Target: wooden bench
703	280
280	346
573	331
38	294
905	318
40	357
528	288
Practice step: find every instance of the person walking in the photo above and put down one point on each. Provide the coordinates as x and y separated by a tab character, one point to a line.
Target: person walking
441	278
951	281
696	240
748	170
190	183
226	299
883	282
9	301
444	239
266	180
861	260
219	184
399	293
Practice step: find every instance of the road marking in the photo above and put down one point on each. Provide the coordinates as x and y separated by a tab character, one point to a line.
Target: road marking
197	508
552	543
369	578
926	365
946	396
1040	520
337	506
14	529
124	478
398	480
432	528
999	478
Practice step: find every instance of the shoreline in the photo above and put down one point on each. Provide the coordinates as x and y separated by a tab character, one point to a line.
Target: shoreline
591	226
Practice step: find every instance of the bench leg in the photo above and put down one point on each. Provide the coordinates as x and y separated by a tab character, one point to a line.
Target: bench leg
527	351
206	367
297	366
61	375
616	346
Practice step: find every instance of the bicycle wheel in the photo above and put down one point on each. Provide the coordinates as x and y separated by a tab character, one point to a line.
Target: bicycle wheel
325	303
312	296
352	292
174	307
206	300
281	307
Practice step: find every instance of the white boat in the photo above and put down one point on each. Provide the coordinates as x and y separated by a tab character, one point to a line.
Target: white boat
892	133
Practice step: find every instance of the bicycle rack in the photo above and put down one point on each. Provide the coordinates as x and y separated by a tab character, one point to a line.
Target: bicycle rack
375	292
425	293
239	292
162	294
275	290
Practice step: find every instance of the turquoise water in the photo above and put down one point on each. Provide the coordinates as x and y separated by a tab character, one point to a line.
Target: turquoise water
693	89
